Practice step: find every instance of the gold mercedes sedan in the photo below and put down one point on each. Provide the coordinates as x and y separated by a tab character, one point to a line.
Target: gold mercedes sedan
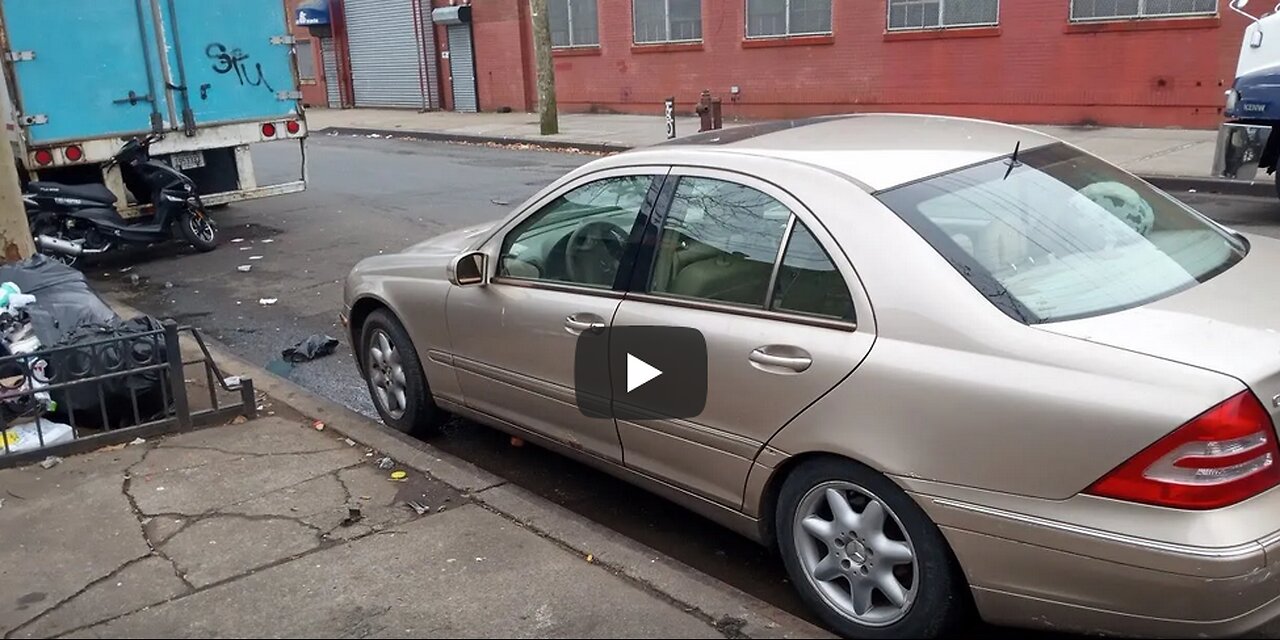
942	365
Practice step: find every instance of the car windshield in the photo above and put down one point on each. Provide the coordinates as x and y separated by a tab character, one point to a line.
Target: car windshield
1060	234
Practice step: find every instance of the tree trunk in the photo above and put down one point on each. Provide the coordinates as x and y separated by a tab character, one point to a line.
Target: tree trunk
548	116
15	234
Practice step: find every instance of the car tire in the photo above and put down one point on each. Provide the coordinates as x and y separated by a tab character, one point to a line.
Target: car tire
932	597
394	375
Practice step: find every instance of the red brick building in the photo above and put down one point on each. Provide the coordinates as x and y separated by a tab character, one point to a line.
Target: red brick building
1151	63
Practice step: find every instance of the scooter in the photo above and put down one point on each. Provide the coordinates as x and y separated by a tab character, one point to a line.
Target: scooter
70	222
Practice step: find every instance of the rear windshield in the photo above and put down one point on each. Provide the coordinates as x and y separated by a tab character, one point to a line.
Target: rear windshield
1060	234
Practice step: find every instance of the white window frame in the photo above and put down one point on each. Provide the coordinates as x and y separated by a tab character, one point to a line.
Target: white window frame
942	6
666	13
1142	14
574	45
746	26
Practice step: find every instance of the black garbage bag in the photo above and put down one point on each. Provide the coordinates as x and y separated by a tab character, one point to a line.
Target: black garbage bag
64	300
316	346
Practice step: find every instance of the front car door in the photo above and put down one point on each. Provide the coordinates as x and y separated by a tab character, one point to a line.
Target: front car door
751	268
556	275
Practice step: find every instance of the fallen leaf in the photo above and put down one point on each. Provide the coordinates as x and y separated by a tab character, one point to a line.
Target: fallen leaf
239	420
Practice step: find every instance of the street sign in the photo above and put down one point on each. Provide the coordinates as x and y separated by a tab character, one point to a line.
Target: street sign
671	118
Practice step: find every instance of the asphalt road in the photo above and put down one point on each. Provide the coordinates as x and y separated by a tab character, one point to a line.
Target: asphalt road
368	196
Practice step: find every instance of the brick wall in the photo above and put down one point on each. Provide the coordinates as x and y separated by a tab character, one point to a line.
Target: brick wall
1035	67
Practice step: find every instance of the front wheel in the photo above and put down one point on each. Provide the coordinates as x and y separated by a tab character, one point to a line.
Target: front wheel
395	377
198	228
864	556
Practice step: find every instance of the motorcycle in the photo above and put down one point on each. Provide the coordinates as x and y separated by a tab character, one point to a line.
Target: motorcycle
70	222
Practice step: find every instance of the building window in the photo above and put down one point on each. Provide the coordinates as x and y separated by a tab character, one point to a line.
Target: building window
774	18
666	20
306	61
1126	9
573	23
933	14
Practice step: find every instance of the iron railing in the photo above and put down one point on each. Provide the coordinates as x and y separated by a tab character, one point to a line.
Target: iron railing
108	391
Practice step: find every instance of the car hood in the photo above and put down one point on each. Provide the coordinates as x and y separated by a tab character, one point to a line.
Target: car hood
1229	324
453	241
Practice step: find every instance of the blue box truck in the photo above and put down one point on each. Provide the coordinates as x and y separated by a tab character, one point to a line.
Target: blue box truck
214	76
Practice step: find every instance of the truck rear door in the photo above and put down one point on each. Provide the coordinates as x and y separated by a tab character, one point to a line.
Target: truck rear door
233	58
84	68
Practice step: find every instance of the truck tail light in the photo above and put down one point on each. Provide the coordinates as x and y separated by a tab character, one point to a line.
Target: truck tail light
74	153
1223	456
293	127
268	130
43	157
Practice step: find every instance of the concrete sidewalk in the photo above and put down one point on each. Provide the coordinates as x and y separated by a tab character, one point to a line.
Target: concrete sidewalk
1176	158
246	530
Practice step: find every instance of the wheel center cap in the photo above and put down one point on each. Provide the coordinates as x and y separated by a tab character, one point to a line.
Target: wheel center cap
857	551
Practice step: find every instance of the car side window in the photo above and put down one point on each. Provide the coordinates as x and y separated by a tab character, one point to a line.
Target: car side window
719	242
580	237
808	281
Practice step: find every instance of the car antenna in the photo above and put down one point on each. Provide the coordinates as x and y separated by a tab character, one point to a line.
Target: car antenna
1013	161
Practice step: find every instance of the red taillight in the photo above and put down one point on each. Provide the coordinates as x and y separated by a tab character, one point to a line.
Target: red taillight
293	127
74	153
1225	455
268	130
43	157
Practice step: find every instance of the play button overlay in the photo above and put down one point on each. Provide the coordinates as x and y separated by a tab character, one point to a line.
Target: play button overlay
641	373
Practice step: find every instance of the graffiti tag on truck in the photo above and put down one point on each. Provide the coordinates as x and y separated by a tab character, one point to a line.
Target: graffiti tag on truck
234	60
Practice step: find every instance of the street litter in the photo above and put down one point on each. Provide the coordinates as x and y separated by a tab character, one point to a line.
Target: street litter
255	257
231	381
266	302
268	241
418	507
244	268
318	425
500	203
386	463
114	447
591	558
50	462
168	285
137	441
126	269
399	476
316	346
237	240
353	516
239	420
25	437
349	441
246	248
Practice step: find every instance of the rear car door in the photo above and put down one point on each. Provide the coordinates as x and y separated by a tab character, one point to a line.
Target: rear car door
744	263
85	68
514	341
233	57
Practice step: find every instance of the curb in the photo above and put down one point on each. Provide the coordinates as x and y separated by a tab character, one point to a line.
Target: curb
1168	182
732	612
438	136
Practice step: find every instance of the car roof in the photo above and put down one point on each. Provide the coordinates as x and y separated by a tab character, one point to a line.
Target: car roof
877	151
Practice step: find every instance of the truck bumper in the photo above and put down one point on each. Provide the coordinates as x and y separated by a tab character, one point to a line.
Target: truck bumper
1239	150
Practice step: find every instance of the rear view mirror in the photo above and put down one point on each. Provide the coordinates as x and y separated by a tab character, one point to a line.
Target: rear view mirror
469	269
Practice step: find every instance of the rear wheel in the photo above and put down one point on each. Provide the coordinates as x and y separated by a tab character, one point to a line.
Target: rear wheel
864	556
394	375
198	228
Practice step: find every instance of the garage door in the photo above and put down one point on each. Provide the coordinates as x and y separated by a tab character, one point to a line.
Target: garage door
386	42
331	83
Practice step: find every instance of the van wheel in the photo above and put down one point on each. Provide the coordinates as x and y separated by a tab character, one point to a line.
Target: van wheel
864	556
394	375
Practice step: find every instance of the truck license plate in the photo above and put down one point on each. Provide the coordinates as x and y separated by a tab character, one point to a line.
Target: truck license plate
187	160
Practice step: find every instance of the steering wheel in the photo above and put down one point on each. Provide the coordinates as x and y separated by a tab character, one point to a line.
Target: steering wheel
594	251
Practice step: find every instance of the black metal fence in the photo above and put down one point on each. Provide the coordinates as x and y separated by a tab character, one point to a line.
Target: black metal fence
102	392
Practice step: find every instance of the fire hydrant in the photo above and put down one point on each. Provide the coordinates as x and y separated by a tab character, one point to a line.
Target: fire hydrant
709	111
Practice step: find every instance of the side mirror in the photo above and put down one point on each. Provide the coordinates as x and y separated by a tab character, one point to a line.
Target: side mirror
469	269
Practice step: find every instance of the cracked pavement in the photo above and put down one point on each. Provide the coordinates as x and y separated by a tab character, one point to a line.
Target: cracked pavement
170	537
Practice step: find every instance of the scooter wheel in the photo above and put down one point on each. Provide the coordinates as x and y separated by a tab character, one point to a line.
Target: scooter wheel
198	229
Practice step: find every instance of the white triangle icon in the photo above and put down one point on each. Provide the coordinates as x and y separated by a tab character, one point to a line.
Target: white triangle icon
639	372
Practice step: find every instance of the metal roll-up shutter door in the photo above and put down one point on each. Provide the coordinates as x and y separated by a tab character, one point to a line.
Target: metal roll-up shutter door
462	66
386	44
329	56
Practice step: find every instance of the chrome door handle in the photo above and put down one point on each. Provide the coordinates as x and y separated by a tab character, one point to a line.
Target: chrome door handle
579	323
781	359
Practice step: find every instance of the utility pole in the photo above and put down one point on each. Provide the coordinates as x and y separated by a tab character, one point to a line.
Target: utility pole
549	119
15	233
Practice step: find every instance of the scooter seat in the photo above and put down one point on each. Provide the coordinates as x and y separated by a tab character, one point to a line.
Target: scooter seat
101	215
93	192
